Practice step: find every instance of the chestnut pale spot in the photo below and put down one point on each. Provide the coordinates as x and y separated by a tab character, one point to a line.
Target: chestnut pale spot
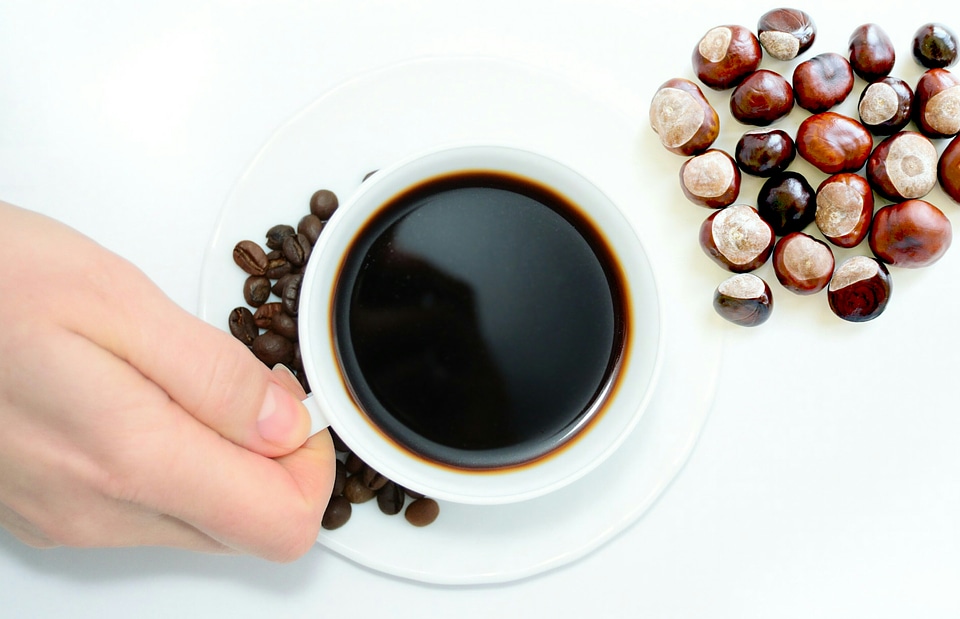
839	207
911	165
676	116
741	235
855	269
713	46
743	286
780	45
943	111
709	175
879	104
807	258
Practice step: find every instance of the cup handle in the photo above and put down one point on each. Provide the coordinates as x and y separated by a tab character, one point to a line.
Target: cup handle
318	421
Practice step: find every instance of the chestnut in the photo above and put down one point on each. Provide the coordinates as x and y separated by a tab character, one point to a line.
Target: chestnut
763	97
934	46
803	264
822	82
765	153
860	289
725	55
787	202
903	166
710	179
886	105
911	234
872	54
833	142
737	238
948	169
844	209
744	299
683	118
786	33
936	104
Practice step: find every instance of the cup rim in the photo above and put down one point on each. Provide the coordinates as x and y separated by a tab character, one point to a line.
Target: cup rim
634	386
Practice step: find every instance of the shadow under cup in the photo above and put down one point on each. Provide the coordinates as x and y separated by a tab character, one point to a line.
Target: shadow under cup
487	313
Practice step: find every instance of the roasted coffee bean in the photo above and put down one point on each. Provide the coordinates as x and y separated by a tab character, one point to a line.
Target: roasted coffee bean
290	295
250	257
242	325
296	249
311	227
323	203
354	464
256	290
285	325
276	234
413	494
277	265
264	315
338	443
337	513
281	283
372	479
272	349
356	491
390	499
422	512
339	480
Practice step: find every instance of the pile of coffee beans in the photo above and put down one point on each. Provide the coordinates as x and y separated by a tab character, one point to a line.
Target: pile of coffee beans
798	222
267	324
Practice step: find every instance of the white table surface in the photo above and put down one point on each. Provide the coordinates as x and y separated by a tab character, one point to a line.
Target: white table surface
826	482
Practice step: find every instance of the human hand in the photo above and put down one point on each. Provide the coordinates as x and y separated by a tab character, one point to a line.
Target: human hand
127	421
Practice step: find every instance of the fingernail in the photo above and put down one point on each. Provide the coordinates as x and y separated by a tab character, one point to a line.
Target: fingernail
283	420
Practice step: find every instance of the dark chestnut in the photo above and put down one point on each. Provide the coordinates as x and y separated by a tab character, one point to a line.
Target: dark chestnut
786	33
833	142
886	105
763	97
737	238
682	117
725	55
872	54
787	202
903	166
803	264
860	289
934	46
844	209
744	299
822	82
710	179
948	169
765	153
936	104
911	234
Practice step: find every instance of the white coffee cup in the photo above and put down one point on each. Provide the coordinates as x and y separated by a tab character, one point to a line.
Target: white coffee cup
620	404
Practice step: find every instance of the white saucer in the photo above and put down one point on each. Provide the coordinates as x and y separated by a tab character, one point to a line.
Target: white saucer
382	116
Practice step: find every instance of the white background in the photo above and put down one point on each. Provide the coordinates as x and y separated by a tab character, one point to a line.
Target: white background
826	482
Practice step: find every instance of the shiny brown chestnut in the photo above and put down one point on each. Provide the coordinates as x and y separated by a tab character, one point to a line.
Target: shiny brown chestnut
682	117
886	105
860	289
934	46
737	238
803	264
765	152
822	82
936	104
844	209
872	54
903	166
948	169
787	202
710	179
744	299
910	234
761	98
833	142
725	55
786	33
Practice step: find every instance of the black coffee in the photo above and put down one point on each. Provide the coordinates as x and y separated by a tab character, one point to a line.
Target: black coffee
479	319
